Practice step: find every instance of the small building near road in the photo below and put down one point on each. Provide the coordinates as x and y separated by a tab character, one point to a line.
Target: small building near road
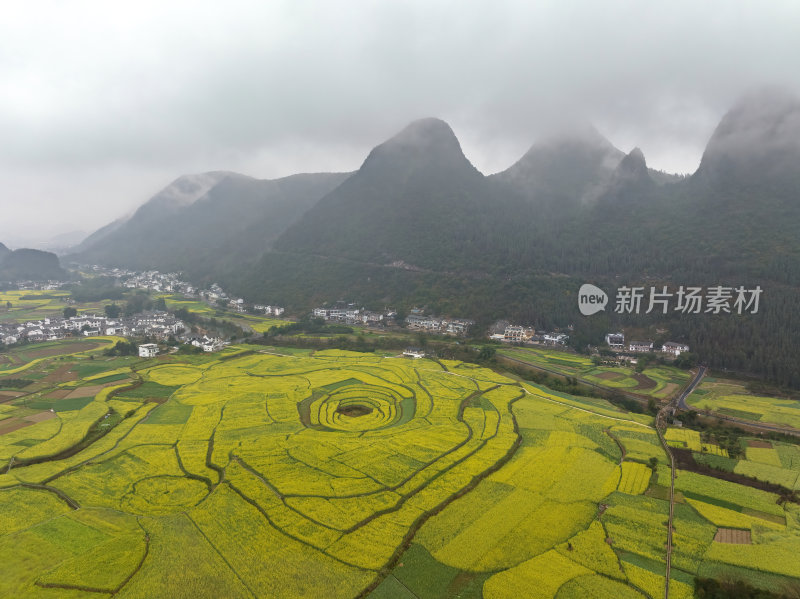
148	350
414	352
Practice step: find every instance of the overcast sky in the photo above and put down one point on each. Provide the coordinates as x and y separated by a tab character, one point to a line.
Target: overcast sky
104	103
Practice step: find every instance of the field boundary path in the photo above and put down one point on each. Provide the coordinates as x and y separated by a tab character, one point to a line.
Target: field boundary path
661	425
682	405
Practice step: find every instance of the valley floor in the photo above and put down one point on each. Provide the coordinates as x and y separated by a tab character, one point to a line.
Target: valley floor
292	473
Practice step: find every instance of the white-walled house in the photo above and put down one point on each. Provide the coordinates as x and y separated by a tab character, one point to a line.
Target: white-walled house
615	340
514	334
640	347
148	350
675	349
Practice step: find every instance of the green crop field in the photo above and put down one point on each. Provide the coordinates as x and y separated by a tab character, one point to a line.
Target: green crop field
733	399
299	474
659	382
259	324
31	304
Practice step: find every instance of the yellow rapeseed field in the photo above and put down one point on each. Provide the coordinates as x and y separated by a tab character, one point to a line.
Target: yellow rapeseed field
262	475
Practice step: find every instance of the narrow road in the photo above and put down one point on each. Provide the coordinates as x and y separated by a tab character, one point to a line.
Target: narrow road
681	403
661	426
758	426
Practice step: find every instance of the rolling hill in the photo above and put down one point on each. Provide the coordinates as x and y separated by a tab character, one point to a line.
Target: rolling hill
28	264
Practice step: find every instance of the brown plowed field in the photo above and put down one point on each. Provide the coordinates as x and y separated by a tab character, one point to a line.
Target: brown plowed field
758	443
61	374
63	349
733	536
644	382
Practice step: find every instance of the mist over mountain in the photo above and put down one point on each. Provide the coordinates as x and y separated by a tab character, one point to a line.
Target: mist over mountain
418	224
757	143
570	167
179	194
200	223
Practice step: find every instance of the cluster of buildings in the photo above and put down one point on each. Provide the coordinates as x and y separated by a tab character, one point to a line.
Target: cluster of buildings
207	344
513	333
158	282
157	324
616	341
353	314
216	295
416	320
151	280
41	285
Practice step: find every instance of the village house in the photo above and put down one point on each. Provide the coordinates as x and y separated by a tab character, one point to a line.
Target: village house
514	334
208	344
675	349
555	338
148	350
458	326
615	341
414	352
640	347
426	323
273	310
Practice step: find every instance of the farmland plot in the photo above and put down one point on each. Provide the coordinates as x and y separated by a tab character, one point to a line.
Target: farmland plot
341	474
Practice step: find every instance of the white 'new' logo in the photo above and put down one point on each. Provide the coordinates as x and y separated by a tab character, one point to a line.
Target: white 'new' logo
591	299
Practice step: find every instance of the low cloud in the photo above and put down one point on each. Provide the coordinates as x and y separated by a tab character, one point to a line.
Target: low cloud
101	104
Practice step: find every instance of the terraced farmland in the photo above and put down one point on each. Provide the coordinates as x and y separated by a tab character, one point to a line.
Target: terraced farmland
31	304
660	382
259	324
341	474
731	398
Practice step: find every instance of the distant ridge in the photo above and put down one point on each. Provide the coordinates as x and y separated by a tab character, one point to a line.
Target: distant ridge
28	264
756	143
202	222
572	166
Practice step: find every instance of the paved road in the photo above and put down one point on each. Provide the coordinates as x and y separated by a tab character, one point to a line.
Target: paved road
681	403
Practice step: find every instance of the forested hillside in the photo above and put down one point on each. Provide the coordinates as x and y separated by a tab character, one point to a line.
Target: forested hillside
27	264
418	224
205	224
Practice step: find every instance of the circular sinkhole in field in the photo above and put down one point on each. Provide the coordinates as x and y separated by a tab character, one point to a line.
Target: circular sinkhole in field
354	410
356	407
